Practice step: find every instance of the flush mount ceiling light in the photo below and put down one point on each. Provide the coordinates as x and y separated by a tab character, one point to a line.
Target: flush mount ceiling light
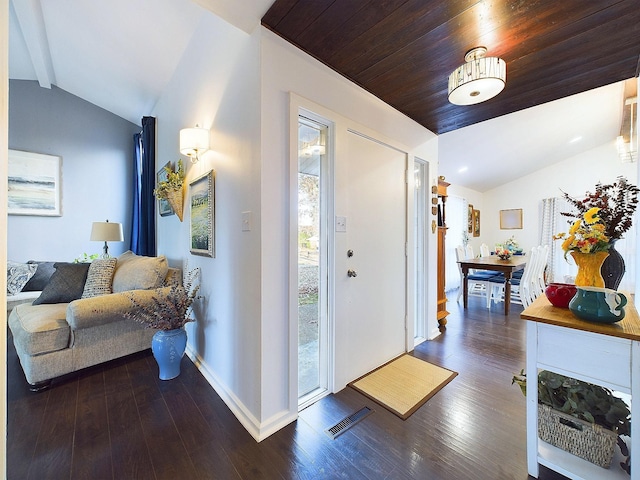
479	79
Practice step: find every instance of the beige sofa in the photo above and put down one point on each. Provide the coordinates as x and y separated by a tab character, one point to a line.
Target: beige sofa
56	338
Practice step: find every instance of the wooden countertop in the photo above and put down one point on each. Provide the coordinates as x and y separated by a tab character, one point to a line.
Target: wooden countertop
542	311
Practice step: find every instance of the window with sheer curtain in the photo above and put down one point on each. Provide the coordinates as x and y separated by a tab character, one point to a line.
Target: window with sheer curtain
456	216
563	270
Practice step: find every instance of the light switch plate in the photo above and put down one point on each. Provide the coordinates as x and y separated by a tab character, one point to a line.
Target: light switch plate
341	224
246	221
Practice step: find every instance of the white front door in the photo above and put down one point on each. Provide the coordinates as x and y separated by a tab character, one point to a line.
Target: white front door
370	258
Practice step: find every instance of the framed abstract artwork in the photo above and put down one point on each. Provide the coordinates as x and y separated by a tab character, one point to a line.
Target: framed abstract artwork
470	219
202	218
35	184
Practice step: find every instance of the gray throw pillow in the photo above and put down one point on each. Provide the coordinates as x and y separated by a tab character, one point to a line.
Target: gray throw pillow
41	277
18	274
65	285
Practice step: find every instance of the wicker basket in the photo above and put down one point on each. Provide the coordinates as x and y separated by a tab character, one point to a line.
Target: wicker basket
175	199
583	439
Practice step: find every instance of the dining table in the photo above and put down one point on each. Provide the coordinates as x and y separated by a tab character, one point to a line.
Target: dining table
493	263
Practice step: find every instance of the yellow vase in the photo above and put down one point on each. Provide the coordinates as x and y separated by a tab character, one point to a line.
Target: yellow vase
589	265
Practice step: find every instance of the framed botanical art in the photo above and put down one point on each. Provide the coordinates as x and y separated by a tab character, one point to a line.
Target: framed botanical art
35	184
202	209
476	223
164	207
470	219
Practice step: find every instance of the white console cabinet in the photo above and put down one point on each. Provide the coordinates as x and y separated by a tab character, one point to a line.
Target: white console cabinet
607	355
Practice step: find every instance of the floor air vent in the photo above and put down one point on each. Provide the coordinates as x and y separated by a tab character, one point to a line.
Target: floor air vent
348	422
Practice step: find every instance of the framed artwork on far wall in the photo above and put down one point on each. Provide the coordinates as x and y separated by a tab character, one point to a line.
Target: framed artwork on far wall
470	219
164	207
476	223
35	184
202	218
511	219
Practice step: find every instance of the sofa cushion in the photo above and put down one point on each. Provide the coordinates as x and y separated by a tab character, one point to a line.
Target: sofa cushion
41	277
136	272
18	274
65	285
39	329
20	297
99	277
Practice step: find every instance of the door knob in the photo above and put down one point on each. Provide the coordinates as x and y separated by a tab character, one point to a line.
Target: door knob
351	273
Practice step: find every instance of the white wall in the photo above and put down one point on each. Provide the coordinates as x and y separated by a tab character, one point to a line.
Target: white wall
216	85
574	175
286	69
241	340
477	200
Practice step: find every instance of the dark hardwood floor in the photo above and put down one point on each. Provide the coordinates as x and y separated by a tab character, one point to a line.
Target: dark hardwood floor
119	421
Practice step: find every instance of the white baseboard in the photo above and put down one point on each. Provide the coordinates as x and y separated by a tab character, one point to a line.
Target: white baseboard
258	430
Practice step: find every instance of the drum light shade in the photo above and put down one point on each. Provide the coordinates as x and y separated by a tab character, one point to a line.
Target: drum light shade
106	232
478	80
194	142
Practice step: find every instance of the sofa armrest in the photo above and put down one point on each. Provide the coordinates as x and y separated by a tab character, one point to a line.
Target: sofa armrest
104	309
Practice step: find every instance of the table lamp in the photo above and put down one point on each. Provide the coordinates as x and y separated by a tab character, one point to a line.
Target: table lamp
106	232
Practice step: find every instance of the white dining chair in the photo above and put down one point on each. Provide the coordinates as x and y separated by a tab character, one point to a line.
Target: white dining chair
469	251
477	284
484	250
524	289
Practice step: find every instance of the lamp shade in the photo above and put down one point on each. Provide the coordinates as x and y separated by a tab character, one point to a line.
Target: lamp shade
106	232
194	141
479	79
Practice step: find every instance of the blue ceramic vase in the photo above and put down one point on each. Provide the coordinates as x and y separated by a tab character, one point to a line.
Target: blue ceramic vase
168	348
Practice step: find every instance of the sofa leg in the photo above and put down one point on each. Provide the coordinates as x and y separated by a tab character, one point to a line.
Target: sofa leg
40	386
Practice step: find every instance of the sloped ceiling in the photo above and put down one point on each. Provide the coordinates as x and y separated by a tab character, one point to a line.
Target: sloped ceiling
120	55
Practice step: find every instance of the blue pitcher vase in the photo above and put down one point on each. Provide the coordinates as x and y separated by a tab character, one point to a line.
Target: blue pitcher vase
168	348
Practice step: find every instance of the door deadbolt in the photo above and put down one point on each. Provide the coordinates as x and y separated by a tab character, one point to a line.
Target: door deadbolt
349	253
351	273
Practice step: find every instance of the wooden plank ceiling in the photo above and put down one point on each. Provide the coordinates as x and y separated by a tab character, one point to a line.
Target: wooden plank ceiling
403	51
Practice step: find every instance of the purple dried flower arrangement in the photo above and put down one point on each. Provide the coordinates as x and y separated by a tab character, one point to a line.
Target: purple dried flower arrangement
170	309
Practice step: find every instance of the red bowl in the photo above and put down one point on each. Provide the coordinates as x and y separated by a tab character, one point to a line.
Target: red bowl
560	294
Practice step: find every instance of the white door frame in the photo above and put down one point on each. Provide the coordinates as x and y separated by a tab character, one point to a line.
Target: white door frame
337	141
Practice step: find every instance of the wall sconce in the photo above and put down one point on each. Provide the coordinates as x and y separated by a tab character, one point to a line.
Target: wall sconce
193	142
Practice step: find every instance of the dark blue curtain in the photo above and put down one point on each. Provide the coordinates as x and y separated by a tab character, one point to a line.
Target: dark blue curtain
143	228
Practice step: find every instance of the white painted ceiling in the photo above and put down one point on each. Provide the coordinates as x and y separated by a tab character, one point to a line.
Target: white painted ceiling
120	54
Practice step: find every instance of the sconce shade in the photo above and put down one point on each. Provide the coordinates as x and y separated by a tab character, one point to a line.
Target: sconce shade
627	141
193	142
478	80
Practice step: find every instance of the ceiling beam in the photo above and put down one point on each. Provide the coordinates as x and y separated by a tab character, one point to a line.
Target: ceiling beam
31	21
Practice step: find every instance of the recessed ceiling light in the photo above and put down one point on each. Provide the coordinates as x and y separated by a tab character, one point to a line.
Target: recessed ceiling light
576	139
462	169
